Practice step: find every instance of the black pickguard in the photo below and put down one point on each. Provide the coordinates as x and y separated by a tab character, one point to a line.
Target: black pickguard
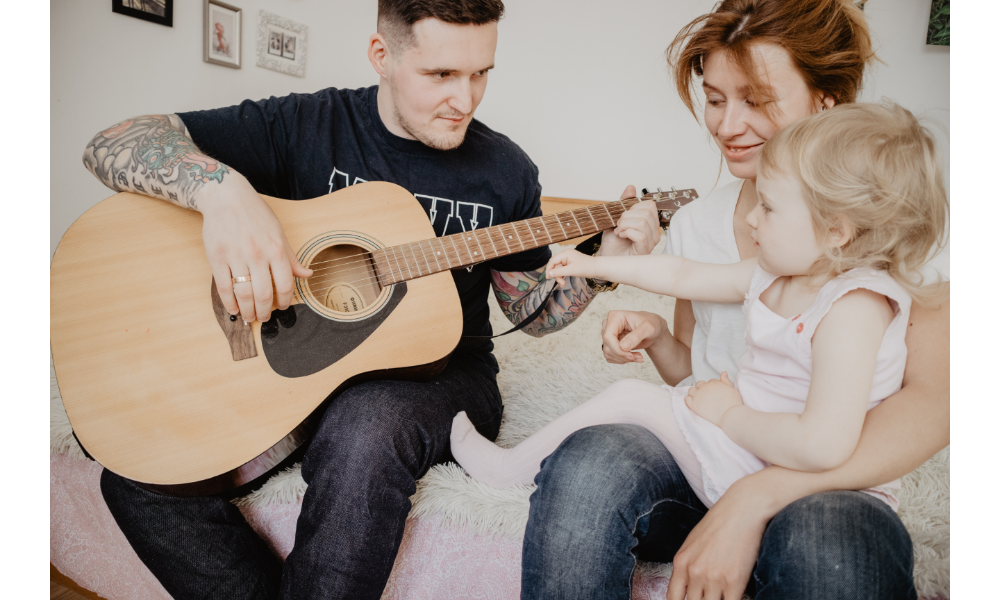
298	342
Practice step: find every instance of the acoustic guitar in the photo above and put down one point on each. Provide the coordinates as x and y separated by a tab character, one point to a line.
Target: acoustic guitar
163	388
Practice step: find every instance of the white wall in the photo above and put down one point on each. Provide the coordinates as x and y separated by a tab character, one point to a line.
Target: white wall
581	85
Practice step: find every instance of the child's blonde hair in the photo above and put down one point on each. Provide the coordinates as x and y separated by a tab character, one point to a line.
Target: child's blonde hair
876	165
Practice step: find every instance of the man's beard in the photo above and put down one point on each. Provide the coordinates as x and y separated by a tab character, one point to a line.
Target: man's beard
426	138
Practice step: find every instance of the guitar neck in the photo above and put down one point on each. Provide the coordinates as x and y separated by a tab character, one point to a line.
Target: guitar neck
426	257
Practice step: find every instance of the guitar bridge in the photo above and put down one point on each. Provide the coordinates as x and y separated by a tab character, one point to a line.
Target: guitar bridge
239	334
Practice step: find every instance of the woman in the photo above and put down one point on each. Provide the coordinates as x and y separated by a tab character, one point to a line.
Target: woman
611	494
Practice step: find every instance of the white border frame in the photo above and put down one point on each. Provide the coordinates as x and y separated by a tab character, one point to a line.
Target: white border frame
207	34
267	21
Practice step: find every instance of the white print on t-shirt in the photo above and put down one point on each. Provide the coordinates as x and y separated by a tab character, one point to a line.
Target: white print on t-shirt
347	178
455	217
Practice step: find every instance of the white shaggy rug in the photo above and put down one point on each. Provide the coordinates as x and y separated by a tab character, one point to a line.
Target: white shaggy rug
542	378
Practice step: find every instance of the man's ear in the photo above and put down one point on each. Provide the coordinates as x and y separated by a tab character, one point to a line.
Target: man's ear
378	53
841	231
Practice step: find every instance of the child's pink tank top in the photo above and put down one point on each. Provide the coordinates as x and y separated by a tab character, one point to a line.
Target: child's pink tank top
775	371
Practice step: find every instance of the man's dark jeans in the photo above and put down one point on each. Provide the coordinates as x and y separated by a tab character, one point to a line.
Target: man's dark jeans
374	441
612	493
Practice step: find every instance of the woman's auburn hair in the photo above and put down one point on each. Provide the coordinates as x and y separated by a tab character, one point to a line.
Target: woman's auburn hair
874	169
828	42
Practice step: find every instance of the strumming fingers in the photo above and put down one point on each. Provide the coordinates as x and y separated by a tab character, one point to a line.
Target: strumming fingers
263	292
224	285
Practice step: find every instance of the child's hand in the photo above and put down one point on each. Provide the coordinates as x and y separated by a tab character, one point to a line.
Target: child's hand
569	262
712	399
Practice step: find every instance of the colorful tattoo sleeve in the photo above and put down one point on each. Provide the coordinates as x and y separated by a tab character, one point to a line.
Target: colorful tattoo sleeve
152	155
520	294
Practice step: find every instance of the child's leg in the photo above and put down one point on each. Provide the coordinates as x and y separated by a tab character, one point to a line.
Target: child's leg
631	402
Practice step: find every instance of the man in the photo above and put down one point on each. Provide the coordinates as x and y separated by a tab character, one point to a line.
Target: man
375	439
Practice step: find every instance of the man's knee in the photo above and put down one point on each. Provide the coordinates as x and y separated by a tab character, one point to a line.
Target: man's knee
836	545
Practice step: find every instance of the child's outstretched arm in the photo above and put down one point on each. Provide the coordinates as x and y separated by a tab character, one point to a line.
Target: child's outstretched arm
823	437
661	274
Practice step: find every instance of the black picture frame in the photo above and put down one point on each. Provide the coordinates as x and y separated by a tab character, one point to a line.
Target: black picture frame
167	18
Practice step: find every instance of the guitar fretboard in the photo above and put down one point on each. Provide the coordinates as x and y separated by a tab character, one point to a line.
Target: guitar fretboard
426	257
419	259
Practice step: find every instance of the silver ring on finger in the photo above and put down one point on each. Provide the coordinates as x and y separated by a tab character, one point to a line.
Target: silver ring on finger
241	279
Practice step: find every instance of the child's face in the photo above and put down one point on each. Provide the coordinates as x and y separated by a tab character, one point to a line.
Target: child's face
782	228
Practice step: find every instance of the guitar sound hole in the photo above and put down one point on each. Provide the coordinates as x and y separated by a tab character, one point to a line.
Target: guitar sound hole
344	278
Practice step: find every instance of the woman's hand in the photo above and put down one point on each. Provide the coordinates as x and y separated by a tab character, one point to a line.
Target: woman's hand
626	331
718	556
711	400
569	263
638	230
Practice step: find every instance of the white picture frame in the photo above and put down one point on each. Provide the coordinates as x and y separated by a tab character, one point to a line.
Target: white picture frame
281	44
223	34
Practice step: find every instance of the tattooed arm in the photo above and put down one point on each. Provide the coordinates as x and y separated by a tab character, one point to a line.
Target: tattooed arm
154	155
520	293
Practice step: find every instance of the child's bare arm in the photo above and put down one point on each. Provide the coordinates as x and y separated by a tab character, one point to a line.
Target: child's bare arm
661	274
823	437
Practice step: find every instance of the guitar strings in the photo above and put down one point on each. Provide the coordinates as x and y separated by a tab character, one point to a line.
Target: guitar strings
489	237
399	248
368	260
477	233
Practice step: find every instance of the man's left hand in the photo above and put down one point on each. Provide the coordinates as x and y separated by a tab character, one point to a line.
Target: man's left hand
638	230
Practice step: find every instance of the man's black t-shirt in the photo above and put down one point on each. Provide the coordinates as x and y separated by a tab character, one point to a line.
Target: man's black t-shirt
307	145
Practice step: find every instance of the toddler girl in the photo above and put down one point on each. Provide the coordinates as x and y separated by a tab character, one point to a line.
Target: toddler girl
851	203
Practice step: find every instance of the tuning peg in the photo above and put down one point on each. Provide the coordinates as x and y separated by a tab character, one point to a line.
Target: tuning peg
645	191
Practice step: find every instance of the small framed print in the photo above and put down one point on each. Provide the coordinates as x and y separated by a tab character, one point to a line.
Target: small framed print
223	34
155	11
275	42
281	44
288	48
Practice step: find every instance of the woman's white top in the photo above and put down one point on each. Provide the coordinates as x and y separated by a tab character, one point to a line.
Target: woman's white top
703	231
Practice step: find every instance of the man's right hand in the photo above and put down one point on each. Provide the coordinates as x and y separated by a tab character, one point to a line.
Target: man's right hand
625	332
244	238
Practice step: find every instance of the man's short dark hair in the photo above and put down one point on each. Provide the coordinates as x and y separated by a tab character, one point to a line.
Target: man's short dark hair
396	17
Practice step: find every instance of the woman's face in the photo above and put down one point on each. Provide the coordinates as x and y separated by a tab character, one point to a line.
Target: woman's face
737	123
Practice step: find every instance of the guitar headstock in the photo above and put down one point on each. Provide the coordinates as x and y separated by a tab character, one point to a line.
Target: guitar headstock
667	203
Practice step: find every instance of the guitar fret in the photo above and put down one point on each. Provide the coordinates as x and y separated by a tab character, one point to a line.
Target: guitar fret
407	261
534	239
427	263
475	237
416	263
438	253
496	252
500	229
380	257
440	243
519	240
609	213
573	214
458	255
591	215
467	248
542	219
397	263
563	229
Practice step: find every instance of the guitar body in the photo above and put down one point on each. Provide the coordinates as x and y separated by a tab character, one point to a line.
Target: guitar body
161	388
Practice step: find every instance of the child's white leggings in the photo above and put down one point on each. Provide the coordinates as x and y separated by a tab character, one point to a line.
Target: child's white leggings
630	402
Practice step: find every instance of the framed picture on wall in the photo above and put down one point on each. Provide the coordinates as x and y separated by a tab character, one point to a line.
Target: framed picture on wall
223	34
281	44
156	11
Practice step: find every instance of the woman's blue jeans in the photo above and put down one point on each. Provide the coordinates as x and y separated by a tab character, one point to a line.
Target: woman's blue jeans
612	493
